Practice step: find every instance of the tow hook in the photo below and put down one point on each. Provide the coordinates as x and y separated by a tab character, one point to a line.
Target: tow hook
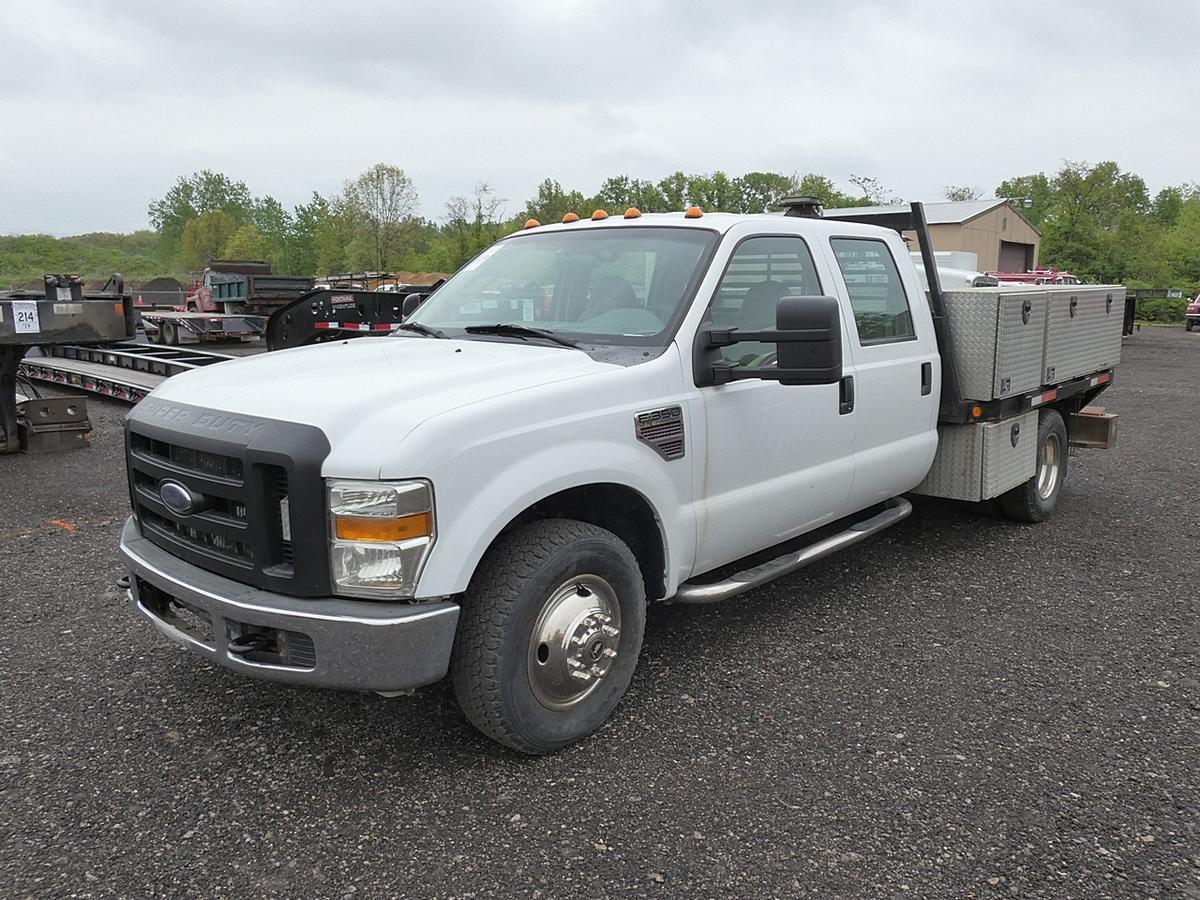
245	644
123	583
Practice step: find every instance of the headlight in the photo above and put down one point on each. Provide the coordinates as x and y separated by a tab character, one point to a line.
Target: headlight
381	534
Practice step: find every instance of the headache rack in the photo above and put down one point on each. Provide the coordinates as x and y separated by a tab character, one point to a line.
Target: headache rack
1008	349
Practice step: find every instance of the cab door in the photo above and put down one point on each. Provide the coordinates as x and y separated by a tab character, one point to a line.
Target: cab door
779	459
896	367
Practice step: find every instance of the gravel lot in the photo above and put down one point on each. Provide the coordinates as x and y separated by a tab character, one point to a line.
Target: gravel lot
963	707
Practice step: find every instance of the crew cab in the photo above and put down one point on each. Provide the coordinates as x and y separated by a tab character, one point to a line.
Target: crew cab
1193	312
588	417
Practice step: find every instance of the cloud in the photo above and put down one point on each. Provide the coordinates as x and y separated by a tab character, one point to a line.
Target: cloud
117	99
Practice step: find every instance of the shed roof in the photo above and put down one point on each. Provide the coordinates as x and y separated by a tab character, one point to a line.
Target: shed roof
954	212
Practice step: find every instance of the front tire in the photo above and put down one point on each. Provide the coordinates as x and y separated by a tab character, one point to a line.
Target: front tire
1189	324
549	634
1035	500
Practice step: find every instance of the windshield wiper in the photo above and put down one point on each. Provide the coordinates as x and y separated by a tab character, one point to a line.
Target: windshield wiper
521	331
418	328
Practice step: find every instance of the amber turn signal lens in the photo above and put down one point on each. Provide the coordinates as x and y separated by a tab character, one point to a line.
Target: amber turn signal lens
976	411
532	223
633	213
693	212
598	215
571	217
369	528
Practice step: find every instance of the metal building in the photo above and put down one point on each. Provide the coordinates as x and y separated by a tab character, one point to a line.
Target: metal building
994	230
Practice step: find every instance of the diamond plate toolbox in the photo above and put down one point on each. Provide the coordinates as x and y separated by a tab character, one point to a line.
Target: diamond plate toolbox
997	335
983	460
1083	330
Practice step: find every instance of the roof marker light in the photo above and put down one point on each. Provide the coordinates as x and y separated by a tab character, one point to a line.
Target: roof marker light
693	212
633	213
571	217
532	223
598	215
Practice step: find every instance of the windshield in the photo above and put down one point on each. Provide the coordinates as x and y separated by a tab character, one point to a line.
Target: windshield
624	285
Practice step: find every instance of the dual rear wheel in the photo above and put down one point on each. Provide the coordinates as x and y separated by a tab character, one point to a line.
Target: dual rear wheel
1035	500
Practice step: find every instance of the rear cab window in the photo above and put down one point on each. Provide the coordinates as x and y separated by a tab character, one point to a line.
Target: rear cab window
881	310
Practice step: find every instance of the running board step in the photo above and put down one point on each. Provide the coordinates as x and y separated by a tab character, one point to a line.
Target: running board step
897	508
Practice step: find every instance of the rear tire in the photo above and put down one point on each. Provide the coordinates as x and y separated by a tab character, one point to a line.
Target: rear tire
1188	324
1035	500
168	333
549	634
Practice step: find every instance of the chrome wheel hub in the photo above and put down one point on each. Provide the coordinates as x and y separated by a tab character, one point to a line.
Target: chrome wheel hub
1049	466
575	641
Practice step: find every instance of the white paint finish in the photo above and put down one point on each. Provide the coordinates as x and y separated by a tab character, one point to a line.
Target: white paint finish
897	433
367	394
498	426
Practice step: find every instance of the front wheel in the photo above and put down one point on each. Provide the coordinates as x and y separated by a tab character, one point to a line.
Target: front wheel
549	634
1035	500
1189	324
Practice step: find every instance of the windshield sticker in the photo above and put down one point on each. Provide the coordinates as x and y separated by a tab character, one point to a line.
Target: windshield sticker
527	310
469	309
491	304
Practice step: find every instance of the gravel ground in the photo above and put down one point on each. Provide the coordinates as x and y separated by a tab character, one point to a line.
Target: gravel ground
963	707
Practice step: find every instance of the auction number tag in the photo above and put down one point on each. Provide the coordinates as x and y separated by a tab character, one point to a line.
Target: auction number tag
25	317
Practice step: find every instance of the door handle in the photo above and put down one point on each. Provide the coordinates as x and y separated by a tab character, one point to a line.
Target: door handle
926	378
846	395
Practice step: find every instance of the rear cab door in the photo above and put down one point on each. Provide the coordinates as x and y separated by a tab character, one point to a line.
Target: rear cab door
897	367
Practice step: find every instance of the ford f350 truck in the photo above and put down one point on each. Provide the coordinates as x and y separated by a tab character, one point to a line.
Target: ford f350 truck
588	417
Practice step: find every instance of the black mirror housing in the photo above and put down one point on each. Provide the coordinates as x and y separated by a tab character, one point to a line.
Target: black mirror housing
411	303
808	338
811	352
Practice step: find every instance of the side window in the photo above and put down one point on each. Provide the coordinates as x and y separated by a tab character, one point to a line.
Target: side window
761	271
881	312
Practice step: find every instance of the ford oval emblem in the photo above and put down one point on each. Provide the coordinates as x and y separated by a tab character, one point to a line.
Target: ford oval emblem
178	499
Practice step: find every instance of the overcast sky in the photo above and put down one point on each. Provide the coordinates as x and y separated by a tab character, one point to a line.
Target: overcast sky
103	104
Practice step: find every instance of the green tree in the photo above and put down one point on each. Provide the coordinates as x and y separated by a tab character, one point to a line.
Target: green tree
761	191
552	203
821	187
193	195
382	201
248	243
1036	188
205	236
307	219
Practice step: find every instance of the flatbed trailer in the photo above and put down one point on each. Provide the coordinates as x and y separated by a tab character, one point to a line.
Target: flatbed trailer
62	312
124	370
174	328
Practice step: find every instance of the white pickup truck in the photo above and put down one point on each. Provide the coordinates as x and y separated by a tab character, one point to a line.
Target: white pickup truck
588	417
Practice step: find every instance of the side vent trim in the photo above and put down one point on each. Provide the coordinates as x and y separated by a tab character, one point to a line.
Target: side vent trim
662	430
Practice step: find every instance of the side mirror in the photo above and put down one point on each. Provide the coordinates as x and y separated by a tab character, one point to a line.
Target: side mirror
808	339
411	302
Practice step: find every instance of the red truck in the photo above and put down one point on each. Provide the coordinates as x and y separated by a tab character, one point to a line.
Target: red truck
232	298
1193	312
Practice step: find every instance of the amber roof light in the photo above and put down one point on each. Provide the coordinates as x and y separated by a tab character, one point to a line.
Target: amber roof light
532	223
693	212
633	213
571	217
598	215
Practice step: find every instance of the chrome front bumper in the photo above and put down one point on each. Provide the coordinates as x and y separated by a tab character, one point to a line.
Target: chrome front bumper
329	642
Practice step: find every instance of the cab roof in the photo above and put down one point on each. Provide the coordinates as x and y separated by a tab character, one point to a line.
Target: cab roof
720	222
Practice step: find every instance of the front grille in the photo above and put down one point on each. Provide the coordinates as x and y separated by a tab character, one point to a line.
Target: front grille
199	461
232	549
246	487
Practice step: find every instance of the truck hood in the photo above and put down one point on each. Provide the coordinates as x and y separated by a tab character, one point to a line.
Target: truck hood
374	391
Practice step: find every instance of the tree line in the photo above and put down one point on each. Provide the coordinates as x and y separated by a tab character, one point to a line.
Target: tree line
1097	221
